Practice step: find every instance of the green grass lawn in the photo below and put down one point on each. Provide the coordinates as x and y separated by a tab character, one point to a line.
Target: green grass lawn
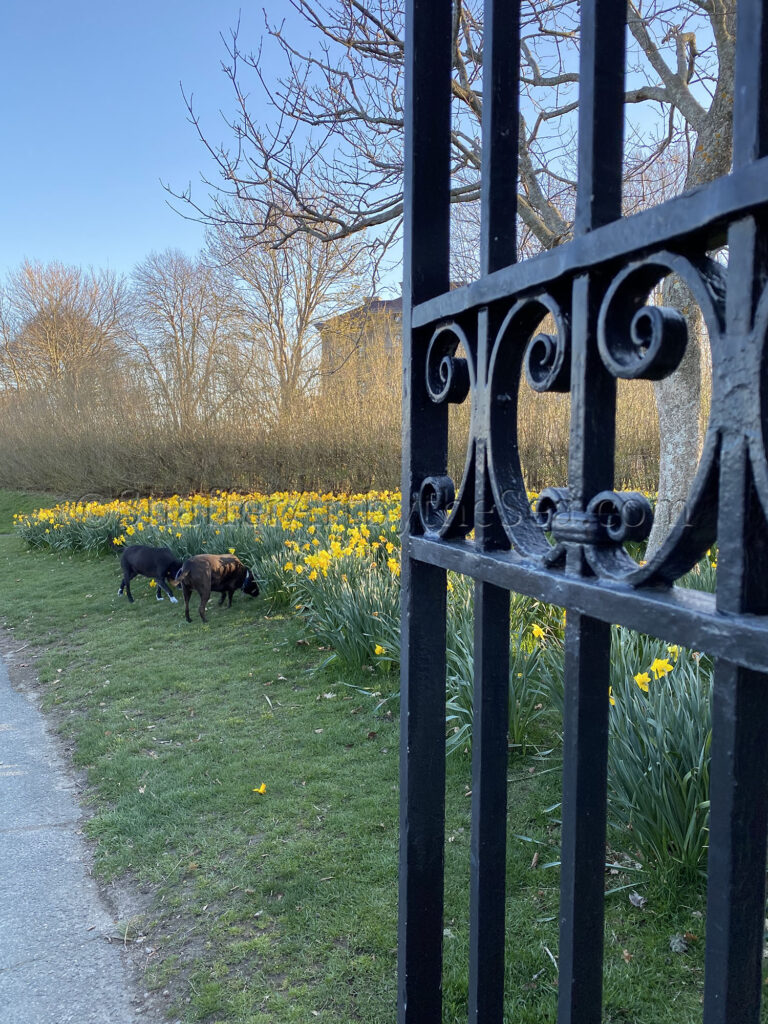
282	907
21	501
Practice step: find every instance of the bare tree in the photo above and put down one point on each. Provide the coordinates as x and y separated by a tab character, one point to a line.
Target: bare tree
185	334
60	326
336	131
333	145
283	291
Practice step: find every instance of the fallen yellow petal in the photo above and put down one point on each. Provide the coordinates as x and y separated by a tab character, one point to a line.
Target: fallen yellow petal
261	789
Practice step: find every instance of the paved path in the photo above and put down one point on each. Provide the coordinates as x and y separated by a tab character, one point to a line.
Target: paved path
56	965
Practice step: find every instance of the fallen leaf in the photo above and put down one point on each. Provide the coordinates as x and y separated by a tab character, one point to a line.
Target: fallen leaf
535	861
372	735
626	955
636	899
678	944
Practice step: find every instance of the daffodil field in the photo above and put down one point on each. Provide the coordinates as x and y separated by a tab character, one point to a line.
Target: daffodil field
335	560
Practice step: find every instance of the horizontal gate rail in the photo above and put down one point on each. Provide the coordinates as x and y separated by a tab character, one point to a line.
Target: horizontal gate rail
700	216
679	615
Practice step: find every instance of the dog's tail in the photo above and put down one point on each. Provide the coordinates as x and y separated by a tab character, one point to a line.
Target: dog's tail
182	575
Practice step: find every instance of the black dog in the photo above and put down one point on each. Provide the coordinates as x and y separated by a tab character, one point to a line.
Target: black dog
157	563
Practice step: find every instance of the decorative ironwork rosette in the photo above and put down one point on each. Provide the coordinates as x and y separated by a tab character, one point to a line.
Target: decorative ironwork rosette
636	340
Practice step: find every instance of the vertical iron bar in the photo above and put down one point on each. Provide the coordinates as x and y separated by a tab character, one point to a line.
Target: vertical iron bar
489	736
750	91
739	766
425	429
501	125
489	805
601	114
582	856
422	795
590	469
737	848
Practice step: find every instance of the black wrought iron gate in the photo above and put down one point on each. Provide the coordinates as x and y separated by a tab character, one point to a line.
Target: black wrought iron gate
570	553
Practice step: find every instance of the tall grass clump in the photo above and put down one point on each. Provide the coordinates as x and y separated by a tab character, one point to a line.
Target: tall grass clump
354	608
660	734
526	697
658	748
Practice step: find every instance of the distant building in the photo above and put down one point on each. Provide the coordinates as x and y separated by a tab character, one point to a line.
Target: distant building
352	342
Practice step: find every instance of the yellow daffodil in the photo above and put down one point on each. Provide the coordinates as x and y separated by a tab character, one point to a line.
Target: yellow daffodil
642	679
660	667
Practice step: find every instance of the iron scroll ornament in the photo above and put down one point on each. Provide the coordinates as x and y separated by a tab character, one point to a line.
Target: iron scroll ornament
450	379
546	361
636	340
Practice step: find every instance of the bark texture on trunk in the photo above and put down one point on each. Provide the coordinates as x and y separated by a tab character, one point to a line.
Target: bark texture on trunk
678	398
678	401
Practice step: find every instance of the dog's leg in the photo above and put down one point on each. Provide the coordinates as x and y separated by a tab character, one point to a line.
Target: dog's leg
127	581
223	598
204	595
186	590
162	587
231	595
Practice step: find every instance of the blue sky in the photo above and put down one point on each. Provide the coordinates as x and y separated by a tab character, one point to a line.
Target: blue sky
92	120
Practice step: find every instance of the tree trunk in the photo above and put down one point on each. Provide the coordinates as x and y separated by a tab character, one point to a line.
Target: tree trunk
678	401
678	398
